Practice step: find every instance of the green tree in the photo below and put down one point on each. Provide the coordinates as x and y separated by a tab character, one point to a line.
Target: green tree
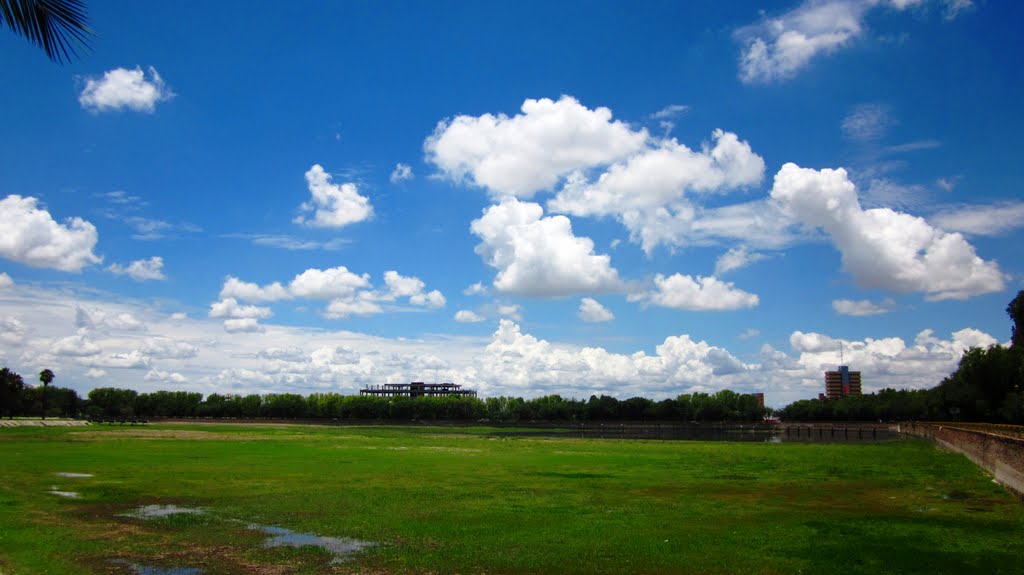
59	27
1016	313
45	376
12	386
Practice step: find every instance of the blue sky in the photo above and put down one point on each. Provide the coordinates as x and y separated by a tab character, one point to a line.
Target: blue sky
522	197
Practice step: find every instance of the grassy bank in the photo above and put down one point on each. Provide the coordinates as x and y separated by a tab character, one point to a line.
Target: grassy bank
466	501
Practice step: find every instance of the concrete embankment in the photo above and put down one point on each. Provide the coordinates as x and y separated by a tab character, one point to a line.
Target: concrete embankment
997	449
42	423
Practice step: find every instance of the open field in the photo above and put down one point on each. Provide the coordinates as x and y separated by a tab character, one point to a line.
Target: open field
467	500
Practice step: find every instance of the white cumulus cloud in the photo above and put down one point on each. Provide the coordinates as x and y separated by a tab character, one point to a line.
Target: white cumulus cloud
779	47
540	256
333	205
592	311
122	88
533	150
882	248
229	308
32	237
141	270
5	280
467	316
702	293
648	191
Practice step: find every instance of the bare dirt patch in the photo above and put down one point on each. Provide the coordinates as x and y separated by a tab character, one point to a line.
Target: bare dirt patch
179	434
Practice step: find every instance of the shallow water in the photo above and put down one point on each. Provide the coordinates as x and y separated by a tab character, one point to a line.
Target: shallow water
68	494
340	547
154	511
141	569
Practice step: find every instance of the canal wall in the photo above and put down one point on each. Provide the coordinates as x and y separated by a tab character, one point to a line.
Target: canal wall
998	451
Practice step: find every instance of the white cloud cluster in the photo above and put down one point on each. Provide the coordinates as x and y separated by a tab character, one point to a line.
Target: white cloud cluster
599	167
347	293
32	237
777	48
333	205
533	150
94	319
861	308
141	270
885	362
122	88
531	366
5	280
305	360
591	311
882	248
647	190
540	256
702	293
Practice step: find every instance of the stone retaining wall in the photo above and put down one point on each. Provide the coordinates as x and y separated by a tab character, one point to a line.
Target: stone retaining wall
1000	455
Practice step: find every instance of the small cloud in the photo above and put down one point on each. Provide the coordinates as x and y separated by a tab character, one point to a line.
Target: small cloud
401	173
702	293
510	311
476	289
592	311
467	316
749	333
955	7
95	373
292	243
862	308
946	183
914	146
736	258
243	325
670	111
333	205
121	89
5	280
984	220
866	122
141	270
120	197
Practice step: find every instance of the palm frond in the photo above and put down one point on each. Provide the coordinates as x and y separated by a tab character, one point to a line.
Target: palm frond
59	27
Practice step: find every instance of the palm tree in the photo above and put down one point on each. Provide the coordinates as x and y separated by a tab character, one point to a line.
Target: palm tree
45	376
57	26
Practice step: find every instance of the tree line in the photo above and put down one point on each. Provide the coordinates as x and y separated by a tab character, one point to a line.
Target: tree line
109	402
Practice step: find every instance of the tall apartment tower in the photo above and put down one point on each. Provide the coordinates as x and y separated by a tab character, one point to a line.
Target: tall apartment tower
842	383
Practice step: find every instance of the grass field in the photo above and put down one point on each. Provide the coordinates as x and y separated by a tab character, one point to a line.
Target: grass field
469	501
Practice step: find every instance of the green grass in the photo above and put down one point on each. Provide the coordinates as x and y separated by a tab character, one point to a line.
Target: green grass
469	501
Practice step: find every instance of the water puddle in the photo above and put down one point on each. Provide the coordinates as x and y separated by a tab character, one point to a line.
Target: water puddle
156	511
70	474
69	494
340	547
140	569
